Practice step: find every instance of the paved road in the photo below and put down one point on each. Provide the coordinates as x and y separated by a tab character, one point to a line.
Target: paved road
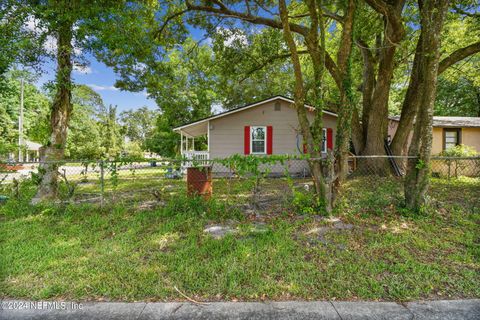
455	309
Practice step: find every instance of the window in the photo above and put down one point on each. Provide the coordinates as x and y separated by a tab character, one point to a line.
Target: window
258	140
324	140
451	138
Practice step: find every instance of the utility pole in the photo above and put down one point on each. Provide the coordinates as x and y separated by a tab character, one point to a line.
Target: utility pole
20	125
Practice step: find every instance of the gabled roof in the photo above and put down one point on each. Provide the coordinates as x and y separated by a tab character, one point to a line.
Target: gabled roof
456	121
32	145
452	122
248	106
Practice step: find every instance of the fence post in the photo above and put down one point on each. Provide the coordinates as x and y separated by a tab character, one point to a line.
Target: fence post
102	182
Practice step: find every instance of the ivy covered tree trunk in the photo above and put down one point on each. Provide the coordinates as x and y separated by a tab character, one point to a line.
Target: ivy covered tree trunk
322	190
60	115
417	180
345	112
411	101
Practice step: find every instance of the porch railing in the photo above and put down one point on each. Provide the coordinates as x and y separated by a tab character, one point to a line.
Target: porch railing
198	157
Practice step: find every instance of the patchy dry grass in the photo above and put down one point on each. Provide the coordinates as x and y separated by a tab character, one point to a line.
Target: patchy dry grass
376	251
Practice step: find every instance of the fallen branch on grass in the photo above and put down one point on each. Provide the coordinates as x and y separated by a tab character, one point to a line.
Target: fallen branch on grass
188	298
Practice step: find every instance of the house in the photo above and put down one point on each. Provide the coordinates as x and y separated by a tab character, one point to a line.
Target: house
271	126
265	127
448	132
30	152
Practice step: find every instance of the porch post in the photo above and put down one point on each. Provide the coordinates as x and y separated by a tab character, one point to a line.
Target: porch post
208	137
181	142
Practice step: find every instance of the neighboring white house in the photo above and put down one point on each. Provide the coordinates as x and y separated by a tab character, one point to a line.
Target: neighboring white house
30	153
266	127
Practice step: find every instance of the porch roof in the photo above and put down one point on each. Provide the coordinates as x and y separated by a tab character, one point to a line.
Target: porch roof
193	130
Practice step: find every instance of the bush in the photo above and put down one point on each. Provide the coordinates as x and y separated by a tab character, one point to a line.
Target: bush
305	202
457	164
459	151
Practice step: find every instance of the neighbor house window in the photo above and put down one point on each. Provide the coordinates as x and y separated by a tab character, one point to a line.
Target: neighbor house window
451	138
258	143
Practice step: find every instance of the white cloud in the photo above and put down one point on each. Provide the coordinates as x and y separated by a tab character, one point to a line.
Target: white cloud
81	69
233	37
32	24
97	87
217	108
208	41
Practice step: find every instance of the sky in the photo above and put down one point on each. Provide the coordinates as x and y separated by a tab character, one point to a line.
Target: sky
101	78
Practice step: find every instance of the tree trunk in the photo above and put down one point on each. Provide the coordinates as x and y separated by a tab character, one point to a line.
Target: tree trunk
321	188
59	116
410	105
358	139
377	118
417	180
368	84
411	101
345	112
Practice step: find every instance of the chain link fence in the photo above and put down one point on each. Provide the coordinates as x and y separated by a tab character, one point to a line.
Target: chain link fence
257	186
441	167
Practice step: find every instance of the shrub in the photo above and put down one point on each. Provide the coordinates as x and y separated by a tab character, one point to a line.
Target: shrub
457	164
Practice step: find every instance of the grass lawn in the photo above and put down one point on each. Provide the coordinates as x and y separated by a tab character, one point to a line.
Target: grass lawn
376	251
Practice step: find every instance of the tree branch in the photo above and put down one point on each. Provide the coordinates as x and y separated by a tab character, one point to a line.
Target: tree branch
169	18
269	61
304	31
333	15
466	13
224	11
392	14
458	55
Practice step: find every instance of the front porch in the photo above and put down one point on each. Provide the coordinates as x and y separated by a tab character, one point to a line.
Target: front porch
189	135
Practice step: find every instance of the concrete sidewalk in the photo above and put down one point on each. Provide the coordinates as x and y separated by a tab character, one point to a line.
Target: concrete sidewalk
294	310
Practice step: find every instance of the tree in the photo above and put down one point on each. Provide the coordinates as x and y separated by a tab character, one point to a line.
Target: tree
20	45
432	14
84	140
459	45
69	23
36	109
163	140
370	130
111	137
183	84
138	125
250	66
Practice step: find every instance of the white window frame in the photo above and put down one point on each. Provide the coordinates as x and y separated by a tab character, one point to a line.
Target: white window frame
324	141
264	141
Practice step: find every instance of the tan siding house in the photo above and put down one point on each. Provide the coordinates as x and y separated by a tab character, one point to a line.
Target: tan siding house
449	131
273	121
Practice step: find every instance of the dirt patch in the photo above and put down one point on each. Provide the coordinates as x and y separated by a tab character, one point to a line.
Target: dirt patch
316	235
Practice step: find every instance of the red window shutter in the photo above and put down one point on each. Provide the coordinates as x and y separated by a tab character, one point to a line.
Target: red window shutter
269	139
329	139
246	140
304	147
